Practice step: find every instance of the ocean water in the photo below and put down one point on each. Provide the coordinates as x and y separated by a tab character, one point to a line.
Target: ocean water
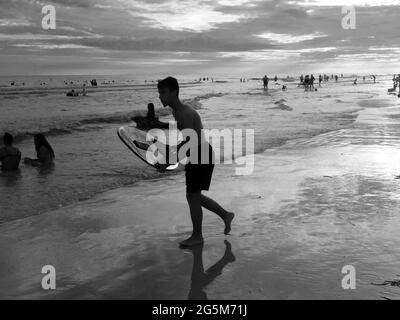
90	158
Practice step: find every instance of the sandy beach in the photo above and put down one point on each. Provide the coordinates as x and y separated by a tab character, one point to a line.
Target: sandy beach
311	207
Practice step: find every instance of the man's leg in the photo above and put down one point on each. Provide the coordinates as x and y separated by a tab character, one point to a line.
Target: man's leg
196	214
213	206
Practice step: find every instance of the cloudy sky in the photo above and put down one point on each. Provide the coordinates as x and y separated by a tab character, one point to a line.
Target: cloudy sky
199	37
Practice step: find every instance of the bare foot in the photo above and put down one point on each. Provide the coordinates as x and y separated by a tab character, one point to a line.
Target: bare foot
192	241
228	221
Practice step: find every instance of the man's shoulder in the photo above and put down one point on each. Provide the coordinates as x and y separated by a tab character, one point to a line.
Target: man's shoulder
190	111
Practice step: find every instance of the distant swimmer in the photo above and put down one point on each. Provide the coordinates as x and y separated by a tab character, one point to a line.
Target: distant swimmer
10	156
284	88
72	93
355	82
44	152
150	121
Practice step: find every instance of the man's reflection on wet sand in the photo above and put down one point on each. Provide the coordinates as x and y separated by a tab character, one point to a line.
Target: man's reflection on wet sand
201	279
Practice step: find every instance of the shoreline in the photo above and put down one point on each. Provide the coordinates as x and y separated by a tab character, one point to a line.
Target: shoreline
300	217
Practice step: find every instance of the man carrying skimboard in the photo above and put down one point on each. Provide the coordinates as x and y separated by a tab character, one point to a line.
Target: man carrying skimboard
198	175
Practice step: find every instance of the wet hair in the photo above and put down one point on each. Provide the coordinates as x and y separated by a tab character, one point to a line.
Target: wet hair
8	139
40	141
169	83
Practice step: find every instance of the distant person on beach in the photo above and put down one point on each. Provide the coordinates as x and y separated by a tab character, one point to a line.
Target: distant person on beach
198	176
301	81
320	80
10	156
397	80
265	81
355	82
44	152
276	78
307	82
312	79
374	77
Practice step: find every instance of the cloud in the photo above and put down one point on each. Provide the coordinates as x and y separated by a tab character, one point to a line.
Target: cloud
15	23
282	38
45	46
182	15
341	3
233	34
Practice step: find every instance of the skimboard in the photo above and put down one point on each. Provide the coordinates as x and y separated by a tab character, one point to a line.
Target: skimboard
148	148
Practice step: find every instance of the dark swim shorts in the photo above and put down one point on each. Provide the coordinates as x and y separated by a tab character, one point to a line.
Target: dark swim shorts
198	176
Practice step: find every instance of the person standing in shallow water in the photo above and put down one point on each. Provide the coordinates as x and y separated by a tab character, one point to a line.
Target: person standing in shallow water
44	152
10	156
265	81
198	175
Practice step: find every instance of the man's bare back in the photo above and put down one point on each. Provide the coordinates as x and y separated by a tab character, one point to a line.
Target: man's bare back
188	118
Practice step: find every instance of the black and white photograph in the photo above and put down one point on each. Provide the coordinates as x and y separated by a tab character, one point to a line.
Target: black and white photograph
192	150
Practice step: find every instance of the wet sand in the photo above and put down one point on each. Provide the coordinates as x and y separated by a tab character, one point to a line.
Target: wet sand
310	208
